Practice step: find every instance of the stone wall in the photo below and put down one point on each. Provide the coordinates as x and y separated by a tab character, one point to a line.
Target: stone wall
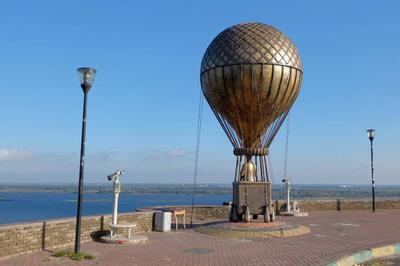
49	235
347	204
25	238
16	239
201	213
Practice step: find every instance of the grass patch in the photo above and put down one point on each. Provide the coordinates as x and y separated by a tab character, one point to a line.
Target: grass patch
74	256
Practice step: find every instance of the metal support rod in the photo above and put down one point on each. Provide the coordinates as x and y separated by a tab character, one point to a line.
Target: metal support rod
81	174
261	170
266	169
237	169
240	165
255	160
372	176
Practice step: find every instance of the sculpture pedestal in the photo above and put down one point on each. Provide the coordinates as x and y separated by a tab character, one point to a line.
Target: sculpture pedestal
120	239
251	199
136	239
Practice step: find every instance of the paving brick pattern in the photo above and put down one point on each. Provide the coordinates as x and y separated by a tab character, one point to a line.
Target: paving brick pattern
254	230
333	235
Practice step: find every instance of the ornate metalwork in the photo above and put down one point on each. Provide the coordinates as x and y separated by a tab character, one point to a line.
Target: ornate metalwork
251	74
251	43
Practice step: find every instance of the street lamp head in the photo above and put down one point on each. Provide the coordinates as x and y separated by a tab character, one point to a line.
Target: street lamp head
371	134
86	77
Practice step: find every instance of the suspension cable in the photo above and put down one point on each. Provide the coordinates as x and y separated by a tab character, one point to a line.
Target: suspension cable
196	160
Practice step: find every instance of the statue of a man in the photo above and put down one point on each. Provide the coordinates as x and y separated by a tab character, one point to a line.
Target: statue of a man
248	172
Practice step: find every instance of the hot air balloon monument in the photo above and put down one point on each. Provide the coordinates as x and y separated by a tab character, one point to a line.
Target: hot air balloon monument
250	76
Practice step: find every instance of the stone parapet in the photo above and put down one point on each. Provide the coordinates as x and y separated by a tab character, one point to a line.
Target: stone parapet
346	204
28	237
49	235
200	212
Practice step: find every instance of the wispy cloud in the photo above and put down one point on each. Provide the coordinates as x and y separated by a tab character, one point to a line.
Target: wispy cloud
165	154
14	155
175	153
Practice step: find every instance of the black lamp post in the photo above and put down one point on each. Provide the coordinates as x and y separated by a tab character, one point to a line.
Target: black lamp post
86	77
371	136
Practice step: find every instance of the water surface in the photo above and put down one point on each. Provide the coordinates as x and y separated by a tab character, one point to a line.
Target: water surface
37	206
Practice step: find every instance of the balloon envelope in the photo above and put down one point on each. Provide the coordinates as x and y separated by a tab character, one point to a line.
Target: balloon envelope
251	75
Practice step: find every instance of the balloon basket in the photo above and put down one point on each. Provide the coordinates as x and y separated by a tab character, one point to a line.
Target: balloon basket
250	200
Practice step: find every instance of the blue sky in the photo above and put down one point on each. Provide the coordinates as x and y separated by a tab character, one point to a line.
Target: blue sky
143	105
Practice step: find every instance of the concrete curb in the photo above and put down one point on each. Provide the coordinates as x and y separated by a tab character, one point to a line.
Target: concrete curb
366	255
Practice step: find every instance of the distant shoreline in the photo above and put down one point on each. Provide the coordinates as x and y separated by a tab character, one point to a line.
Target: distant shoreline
297	191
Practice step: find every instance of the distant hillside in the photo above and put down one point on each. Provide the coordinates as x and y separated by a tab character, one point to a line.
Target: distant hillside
298	191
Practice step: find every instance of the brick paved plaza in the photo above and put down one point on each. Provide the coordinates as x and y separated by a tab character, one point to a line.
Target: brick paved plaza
333	235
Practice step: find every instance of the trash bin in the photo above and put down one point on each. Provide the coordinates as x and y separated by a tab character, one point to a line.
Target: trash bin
162	221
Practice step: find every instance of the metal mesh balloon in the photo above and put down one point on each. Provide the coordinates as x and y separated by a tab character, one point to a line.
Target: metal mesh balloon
251	75
251	43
